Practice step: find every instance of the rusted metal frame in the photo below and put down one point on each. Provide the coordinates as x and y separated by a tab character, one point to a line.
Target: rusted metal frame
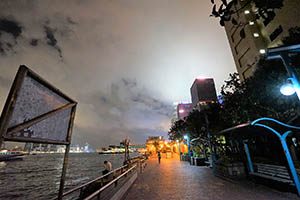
66	157
42	81
37	119
109	184
10	101
92	181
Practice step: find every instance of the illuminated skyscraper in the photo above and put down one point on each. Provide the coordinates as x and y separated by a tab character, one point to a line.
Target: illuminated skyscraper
203	91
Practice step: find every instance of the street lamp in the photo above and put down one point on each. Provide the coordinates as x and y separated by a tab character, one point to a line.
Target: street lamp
284	54
287	89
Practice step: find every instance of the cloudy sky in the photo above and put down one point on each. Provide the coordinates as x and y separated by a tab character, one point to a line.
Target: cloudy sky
124	61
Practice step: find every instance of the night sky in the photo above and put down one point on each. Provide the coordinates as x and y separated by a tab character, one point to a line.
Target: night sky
124	61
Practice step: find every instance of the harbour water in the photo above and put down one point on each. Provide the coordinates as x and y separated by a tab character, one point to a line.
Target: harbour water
38	176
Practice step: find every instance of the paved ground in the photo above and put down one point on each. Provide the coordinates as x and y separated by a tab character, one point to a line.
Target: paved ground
175	180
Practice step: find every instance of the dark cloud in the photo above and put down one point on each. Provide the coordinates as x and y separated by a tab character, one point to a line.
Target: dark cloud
50	36
123	112
1	48
71	21
51	40
10	27
34	42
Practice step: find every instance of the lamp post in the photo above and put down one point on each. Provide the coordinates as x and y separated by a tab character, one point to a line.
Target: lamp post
187	138
284	54
179	149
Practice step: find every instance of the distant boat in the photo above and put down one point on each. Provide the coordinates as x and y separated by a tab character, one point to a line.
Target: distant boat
10	155
109	152
112	151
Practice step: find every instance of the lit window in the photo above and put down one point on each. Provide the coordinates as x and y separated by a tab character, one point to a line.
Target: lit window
251	23
247	12
255	34
262	51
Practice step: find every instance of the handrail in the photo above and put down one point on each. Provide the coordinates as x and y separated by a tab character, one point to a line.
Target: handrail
109	184
85	184
99	178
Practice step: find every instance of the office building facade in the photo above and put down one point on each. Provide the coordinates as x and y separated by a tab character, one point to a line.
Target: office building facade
259	34
203	91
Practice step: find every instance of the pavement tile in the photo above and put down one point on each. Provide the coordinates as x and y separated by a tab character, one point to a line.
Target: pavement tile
176	180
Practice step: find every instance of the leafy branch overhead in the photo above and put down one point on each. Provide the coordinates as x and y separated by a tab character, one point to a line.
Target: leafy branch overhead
227	11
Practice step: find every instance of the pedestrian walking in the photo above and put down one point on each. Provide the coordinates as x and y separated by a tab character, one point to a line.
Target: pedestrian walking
159	157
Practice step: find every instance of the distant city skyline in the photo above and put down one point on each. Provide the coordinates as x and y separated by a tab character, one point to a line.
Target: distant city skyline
125	62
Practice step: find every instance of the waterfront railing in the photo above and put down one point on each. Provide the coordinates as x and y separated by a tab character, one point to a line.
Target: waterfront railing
116	183
106	186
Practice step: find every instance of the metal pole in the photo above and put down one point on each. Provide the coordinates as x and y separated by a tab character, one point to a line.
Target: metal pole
291	164
248	155
189	147
64	171
179	150
289	68
66	158
212	154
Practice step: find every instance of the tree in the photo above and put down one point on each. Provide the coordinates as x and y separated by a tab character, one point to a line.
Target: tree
177	130
227	11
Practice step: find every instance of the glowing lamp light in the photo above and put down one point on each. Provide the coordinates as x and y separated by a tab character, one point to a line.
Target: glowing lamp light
256	35
262	51
287	89
247	12
177	141
181	111
185	137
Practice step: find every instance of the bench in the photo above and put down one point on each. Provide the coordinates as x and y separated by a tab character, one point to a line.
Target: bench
273	172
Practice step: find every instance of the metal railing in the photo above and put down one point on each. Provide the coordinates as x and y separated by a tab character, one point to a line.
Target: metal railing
115	181
106	180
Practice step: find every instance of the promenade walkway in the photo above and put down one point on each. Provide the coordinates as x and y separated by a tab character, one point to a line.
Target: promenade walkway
175	180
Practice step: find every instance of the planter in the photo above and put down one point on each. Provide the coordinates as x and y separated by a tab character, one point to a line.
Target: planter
199	161
185	158
232	170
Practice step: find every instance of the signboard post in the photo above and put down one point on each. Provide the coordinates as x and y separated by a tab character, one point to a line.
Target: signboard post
34	104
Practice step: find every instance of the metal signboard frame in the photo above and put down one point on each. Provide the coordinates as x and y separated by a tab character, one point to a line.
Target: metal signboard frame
6	134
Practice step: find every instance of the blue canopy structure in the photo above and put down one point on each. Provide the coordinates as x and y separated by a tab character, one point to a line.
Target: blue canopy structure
266	126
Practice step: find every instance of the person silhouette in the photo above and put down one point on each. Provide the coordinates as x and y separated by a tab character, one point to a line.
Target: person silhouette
159	157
